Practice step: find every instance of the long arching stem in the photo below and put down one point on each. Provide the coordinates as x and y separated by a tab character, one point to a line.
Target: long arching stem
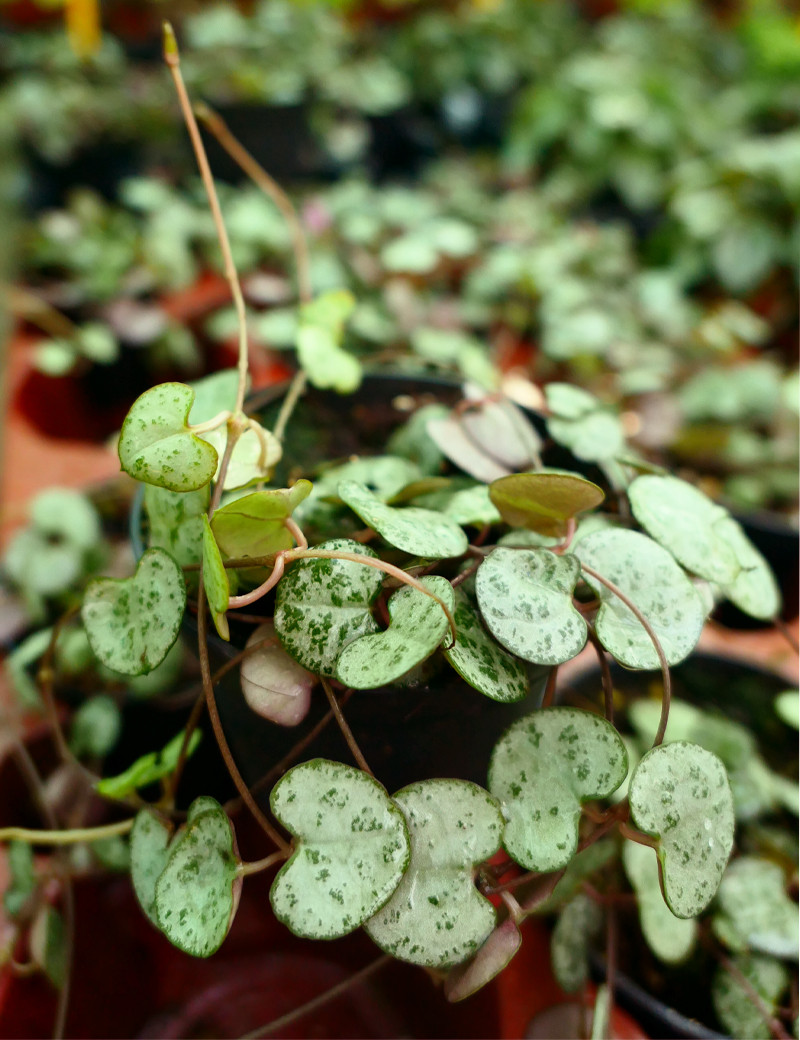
666	696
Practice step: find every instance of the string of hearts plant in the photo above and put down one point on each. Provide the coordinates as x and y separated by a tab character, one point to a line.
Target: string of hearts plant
443	872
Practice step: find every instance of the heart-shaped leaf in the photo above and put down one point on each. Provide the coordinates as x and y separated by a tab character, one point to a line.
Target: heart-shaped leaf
734	1005
525	597
417	626
384	475
495	955
319	340
577	924
503	430
437	917
322	605
274	685
542	770
480	661
680	795
197	892
754	590
755	913
544	501
132	622
351	848
150	838
670	938
215	582
687	523
176	522
450	436
148	769
255	455
419	532
156	445
254	525
650	578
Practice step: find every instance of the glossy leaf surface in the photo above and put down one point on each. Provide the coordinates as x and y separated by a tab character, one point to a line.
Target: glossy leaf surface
542	770
544	501
253	525
437	917
132	622
351	848
525	597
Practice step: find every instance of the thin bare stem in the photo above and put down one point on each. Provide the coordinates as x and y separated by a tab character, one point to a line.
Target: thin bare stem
191	725
550	688
172	58
347	733
605	671
246	869
25	304
667	692
256	172
211	424
296	388
279	1025
225	751
296	533
787	634
633	835
65	837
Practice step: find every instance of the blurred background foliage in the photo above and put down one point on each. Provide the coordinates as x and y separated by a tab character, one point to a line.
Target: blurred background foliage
601	192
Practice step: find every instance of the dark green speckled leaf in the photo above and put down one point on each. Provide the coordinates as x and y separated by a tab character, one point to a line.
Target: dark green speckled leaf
541	771
351	848
437	917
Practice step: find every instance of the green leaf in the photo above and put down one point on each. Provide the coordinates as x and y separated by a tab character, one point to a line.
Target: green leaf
787	705
96	727
254	525
351	848
670	938
319	340
215	581
679	794
385	475
18	662
525	597
197	892
480	661
68	514
581	423
214	394
255	454
322	605
23	877
112	853
734	1005
754	911
754	590
688	524
162	678
156	445
545	501
148	769
437	917
578	923
176	522
48	944
132	622
493	956
419	532
150	839
471	506
274	685
542	770
417	626
650	578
